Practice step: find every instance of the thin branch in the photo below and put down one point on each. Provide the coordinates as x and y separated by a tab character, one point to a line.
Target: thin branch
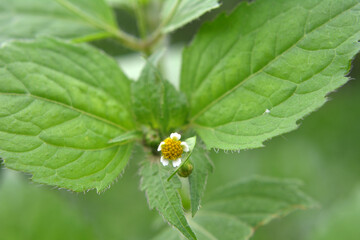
141	23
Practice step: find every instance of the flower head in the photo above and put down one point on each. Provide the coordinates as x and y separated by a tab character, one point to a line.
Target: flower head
172	149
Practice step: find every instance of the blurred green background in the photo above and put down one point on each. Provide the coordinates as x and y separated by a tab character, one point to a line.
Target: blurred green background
324	153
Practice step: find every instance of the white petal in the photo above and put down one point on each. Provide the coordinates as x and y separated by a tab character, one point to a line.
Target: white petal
164	161
159	147
267	111
177	162
185	146
175	136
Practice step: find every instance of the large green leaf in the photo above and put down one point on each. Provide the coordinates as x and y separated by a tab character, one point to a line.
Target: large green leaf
177	13
258	200
127	3
163	195
197	179
60	104
156	102
95	12
252	75
21	19
118	2
127	137
236	210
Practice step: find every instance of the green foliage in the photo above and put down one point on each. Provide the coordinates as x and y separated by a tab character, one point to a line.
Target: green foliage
31	18
236	210
29	212
95	12
197	179
69	115
258	200
118	2
163	195
342	222
177	13
127	136
232	75
168	234
156	102
126	3
322	153
61	104
191	142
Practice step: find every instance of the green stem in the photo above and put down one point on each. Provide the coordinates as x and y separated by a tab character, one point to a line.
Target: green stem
182	164
92	37
185	194
141	23
171	15
144	45
158	34
126	39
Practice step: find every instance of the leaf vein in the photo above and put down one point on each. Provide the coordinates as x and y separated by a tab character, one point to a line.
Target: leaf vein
66	106
266	65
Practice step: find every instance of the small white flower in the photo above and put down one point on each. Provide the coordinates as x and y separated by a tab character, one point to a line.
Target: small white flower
175	136
172	149
267	111
177	162
164	161
185	146
159	147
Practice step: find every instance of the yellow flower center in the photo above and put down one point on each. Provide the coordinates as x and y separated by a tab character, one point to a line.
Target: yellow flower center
172	149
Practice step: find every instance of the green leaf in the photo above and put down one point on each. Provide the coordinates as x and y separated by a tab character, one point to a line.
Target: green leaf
191	142
168	234
28	19
127	136
197	179
156	102
60	104
163	195
220	226
236	210
341	222
119	2
249	83
258	200
177	13
96	12
127	3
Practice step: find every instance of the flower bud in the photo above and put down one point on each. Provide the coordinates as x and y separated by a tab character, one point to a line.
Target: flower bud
152	138
185	170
